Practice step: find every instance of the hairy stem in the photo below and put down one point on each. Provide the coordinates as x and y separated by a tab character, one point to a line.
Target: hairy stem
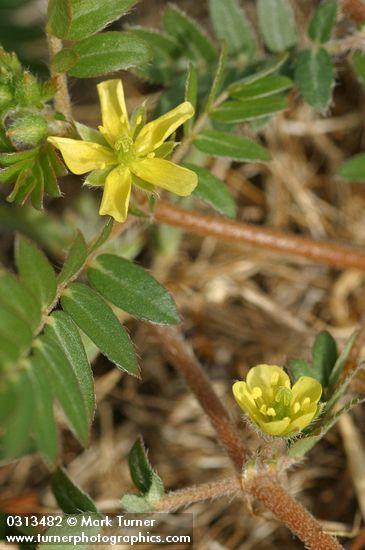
266	488
62	98
354	9
334	255
180	355
185	497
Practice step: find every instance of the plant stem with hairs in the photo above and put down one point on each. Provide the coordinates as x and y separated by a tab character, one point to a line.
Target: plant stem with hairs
331	254
62	98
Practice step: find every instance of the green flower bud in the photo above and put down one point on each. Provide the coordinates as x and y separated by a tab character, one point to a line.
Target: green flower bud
6	97
26	130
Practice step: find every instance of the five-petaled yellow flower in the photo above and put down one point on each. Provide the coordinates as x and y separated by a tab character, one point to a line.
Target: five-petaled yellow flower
128	152
270	402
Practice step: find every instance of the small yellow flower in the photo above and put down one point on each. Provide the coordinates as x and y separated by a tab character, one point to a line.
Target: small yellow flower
128	152
270	402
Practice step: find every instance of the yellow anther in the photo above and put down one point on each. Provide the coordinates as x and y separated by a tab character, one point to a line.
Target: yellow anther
274	378
296	407
263	409
256	392
271	412
305	403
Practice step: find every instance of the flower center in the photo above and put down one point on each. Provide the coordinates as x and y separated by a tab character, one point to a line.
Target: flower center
126	152
277	405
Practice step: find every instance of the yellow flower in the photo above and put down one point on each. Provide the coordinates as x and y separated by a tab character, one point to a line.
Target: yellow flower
127	152
277	408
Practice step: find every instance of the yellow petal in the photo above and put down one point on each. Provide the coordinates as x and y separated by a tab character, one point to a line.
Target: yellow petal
246	401
113	110
83	156
267	376
116	195
166	174
306	386
156	132
301	422
276	427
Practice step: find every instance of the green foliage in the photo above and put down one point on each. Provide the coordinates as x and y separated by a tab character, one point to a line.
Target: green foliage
132	289
268	85
224	144
213	191
322	21
70	498
277	24
358	63
231	25
98	321
35	272
354	168
92	54
101	54
233	112
87	17
61	329
146	480
314	76
42	356
187	31
324	357
26	159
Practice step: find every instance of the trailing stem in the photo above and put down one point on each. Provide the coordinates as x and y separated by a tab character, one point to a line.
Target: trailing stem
331	254
180	355
184	497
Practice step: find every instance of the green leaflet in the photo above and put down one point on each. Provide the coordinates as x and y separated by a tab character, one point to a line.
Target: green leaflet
277	24
35	271
74	261
90	17
263	87
15	297
101	54
15	335
191	94
61	328
65	385
224	144
95	317
70	498
44	423
213	191
232	112
231	25
353	168
145	479
187	31
133	289
322	21
18	424
314	75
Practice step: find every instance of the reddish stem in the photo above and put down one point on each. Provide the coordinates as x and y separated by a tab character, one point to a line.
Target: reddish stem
354	9
331	254
180	355
268	490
